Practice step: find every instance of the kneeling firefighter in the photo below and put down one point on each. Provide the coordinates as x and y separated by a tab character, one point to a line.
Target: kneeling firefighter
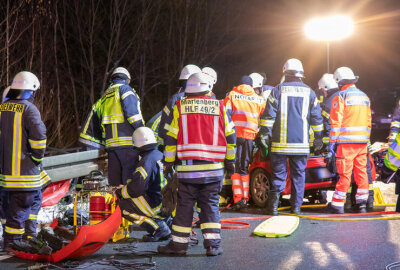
140	199
201	135
22	147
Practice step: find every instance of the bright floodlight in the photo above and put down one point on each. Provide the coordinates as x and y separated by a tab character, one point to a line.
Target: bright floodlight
329	28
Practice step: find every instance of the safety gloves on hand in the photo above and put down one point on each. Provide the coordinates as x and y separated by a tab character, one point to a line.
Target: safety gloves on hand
332	148
169	171
229	168
318	145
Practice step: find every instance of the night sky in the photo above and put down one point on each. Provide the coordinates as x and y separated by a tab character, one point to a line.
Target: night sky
267	33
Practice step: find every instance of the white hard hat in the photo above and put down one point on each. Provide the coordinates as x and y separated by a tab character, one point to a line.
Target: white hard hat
25	80
188	70
257	80
344	75
121	70
211	73
143	136
5	92
197	83
327	82
293	67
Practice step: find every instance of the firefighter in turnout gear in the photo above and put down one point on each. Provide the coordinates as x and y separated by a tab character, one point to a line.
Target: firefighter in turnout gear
140	199
202	138
291	108
244	107
22	147
350	131
115	116
392	158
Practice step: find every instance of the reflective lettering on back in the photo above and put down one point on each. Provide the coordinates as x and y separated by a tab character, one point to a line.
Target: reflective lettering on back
12	107
248	98
200	106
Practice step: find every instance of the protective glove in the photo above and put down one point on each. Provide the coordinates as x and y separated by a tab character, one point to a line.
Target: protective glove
387	175
118	193
229	168
332	148
318	145
37	163
169	171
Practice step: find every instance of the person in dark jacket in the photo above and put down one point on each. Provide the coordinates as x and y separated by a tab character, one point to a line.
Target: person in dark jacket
291	109
22	148
140	198
111	123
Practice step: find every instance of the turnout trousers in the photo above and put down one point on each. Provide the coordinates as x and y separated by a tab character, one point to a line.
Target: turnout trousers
351	158
21	205
297	164
206	196
138	211
241	179
121	165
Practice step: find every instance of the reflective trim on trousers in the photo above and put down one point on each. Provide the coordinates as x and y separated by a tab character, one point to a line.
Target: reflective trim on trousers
210	225
211	236
180	239
200	174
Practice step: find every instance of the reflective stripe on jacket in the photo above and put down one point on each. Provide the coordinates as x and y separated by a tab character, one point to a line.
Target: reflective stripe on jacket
202	136
245	107
395	124
116	115
22	141
392	158
350	116
292	108
326	110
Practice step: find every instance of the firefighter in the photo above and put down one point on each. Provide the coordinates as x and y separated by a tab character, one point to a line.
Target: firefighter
22	147
291	108
350	120
392	158
116	115
201	135
244	107
140	199
167	116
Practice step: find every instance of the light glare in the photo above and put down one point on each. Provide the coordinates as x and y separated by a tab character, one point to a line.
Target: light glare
329	28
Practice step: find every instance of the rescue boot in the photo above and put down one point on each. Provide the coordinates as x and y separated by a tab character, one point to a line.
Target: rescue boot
214	251
239	205
171	249
348	204
296	210
20	245
370	201
161	234
362	208
273	203
334	209
39	246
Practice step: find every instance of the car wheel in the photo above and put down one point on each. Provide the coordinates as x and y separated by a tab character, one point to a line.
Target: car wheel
259	186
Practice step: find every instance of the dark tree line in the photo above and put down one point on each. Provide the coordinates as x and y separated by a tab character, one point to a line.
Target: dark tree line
73	45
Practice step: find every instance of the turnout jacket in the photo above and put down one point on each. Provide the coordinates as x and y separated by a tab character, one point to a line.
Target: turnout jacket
392	158
154	124
113	118
325	111
291	109
244	107
350	116
22	146
202	136
395	125
147	180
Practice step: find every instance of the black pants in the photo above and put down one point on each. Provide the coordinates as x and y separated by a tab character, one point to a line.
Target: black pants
121	165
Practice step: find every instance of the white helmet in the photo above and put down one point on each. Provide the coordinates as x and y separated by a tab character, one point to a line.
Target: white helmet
257	80
121	70
25	80
293	67
197	83
344	75
327	82
188	70
5	92
143	136
210	72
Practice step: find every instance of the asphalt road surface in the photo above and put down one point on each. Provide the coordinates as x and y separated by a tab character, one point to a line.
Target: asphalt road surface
315	244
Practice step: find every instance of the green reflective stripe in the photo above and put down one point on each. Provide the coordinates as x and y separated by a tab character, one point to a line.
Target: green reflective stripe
317	128
170	153
134	118
210	225
203	167
120	141
37	159
32	217
325	114
138	219
166	110
325	139
124	192
181	229
125	95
